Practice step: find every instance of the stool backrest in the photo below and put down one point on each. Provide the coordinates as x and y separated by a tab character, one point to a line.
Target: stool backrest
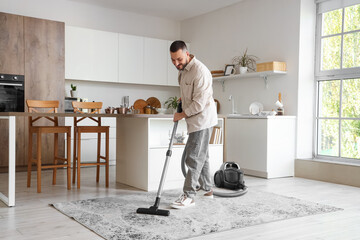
46	106
94	107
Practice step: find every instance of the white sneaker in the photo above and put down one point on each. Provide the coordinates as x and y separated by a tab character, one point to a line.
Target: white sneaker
183	202
209	194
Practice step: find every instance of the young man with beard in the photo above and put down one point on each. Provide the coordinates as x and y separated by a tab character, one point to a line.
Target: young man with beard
199	111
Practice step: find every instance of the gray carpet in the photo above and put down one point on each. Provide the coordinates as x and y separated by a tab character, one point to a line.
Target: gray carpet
115	217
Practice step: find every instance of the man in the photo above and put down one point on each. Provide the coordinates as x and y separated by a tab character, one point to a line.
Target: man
199	111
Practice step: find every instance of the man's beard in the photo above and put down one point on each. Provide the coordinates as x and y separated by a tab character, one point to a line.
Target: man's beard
183	66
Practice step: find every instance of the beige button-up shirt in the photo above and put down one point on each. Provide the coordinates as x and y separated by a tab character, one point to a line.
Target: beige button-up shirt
197	96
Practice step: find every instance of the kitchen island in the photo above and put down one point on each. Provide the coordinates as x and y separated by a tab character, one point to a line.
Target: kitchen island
141	151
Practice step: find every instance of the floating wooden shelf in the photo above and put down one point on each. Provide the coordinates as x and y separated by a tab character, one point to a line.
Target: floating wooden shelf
263	75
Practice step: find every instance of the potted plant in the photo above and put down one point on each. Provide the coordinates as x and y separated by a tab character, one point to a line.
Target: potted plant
245	62
172	103
73	91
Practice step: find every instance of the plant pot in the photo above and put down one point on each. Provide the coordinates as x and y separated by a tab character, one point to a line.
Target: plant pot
243	70
73	93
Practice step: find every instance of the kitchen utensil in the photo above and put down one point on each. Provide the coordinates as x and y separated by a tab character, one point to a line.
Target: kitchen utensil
255	108
122	110
153	102
126	101
140	104
109	110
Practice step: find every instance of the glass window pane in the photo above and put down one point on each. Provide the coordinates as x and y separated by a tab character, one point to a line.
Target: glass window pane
351	56
329	98
350	138
352	18
331	22
351	98
330	53
328	135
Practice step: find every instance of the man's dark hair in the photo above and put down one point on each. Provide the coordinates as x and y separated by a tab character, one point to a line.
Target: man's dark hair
175	46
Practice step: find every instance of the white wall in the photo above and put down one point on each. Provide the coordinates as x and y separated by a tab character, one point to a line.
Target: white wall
306	83
89	16
276	30
270	31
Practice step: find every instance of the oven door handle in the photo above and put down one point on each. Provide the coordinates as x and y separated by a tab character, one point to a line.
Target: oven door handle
11	84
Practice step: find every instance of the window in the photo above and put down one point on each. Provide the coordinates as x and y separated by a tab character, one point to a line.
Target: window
338	79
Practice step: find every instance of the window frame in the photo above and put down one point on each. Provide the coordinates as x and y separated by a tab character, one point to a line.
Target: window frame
329	75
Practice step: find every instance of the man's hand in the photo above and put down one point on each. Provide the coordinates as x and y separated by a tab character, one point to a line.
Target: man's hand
179	116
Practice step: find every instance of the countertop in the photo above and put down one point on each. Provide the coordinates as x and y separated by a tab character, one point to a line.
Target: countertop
248	116
116	115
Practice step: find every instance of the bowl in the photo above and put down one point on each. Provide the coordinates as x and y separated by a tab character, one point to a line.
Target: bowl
161	110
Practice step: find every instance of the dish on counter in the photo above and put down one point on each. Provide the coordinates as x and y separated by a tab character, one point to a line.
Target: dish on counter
255	108
153	102
140	104
161	110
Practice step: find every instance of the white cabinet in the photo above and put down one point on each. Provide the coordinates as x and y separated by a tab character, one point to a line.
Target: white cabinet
172	77
131	55
91	54
263	147
141	153
155	61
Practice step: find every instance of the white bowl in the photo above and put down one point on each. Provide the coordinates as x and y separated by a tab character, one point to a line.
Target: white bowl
161	110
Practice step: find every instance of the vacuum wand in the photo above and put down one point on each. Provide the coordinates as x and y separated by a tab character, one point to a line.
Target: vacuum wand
154	210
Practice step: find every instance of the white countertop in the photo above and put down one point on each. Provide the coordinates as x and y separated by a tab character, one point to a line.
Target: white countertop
249	116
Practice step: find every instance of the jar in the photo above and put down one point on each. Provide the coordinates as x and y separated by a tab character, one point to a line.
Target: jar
280	111
148	109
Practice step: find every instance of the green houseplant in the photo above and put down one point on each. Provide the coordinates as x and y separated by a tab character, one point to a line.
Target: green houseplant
172	103
245	62
73	91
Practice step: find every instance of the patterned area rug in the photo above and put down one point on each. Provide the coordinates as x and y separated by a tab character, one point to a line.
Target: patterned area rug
116	218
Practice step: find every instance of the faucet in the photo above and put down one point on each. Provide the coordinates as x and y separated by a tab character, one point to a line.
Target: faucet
232	104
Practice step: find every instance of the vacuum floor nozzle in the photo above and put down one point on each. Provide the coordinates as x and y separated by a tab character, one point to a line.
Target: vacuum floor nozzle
153	211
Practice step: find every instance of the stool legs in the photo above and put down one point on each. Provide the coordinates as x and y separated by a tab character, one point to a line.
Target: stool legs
74	156
29	160
98	157
78	158
107	159
68	157
38	159
56	140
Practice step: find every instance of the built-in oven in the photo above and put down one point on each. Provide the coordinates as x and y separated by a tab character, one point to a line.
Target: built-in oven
12	93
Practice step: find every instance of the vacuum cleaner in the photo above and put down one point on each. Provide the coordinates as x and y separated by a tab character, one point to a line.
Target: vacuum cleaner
154	210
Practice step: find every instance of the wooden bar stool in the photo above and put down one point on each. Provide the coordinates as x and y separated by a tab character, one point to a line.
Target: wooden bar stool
39	130
93	108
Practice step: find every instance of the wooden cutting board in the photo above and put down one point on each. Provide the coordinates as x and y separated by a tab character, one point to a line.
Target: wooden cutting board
140	104
154	102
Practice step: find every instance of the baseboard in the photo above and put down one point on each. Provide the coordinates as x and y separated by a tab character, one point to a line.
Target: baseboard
328	172
255	173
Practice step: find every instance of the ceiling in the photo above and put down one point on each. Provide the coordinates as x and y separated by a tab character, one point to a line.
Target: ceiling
170	9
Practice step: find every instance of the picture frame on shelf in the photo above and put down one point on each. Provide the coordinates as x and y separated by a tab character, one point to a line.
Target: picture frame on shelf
229	69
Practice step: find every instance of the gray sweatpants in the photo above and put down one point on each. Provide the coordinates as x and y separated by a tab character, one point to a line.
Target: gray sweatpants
196	154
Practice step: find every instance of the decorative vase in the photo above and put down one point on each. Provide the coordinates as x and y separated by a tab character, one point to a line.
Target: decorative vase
243	70
73	93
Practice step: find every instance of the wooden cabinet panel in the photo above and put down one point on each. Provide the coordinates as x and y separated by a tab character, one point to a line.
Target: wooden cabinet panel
12	62
45	71
11	44
131	53
91	54
155	61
